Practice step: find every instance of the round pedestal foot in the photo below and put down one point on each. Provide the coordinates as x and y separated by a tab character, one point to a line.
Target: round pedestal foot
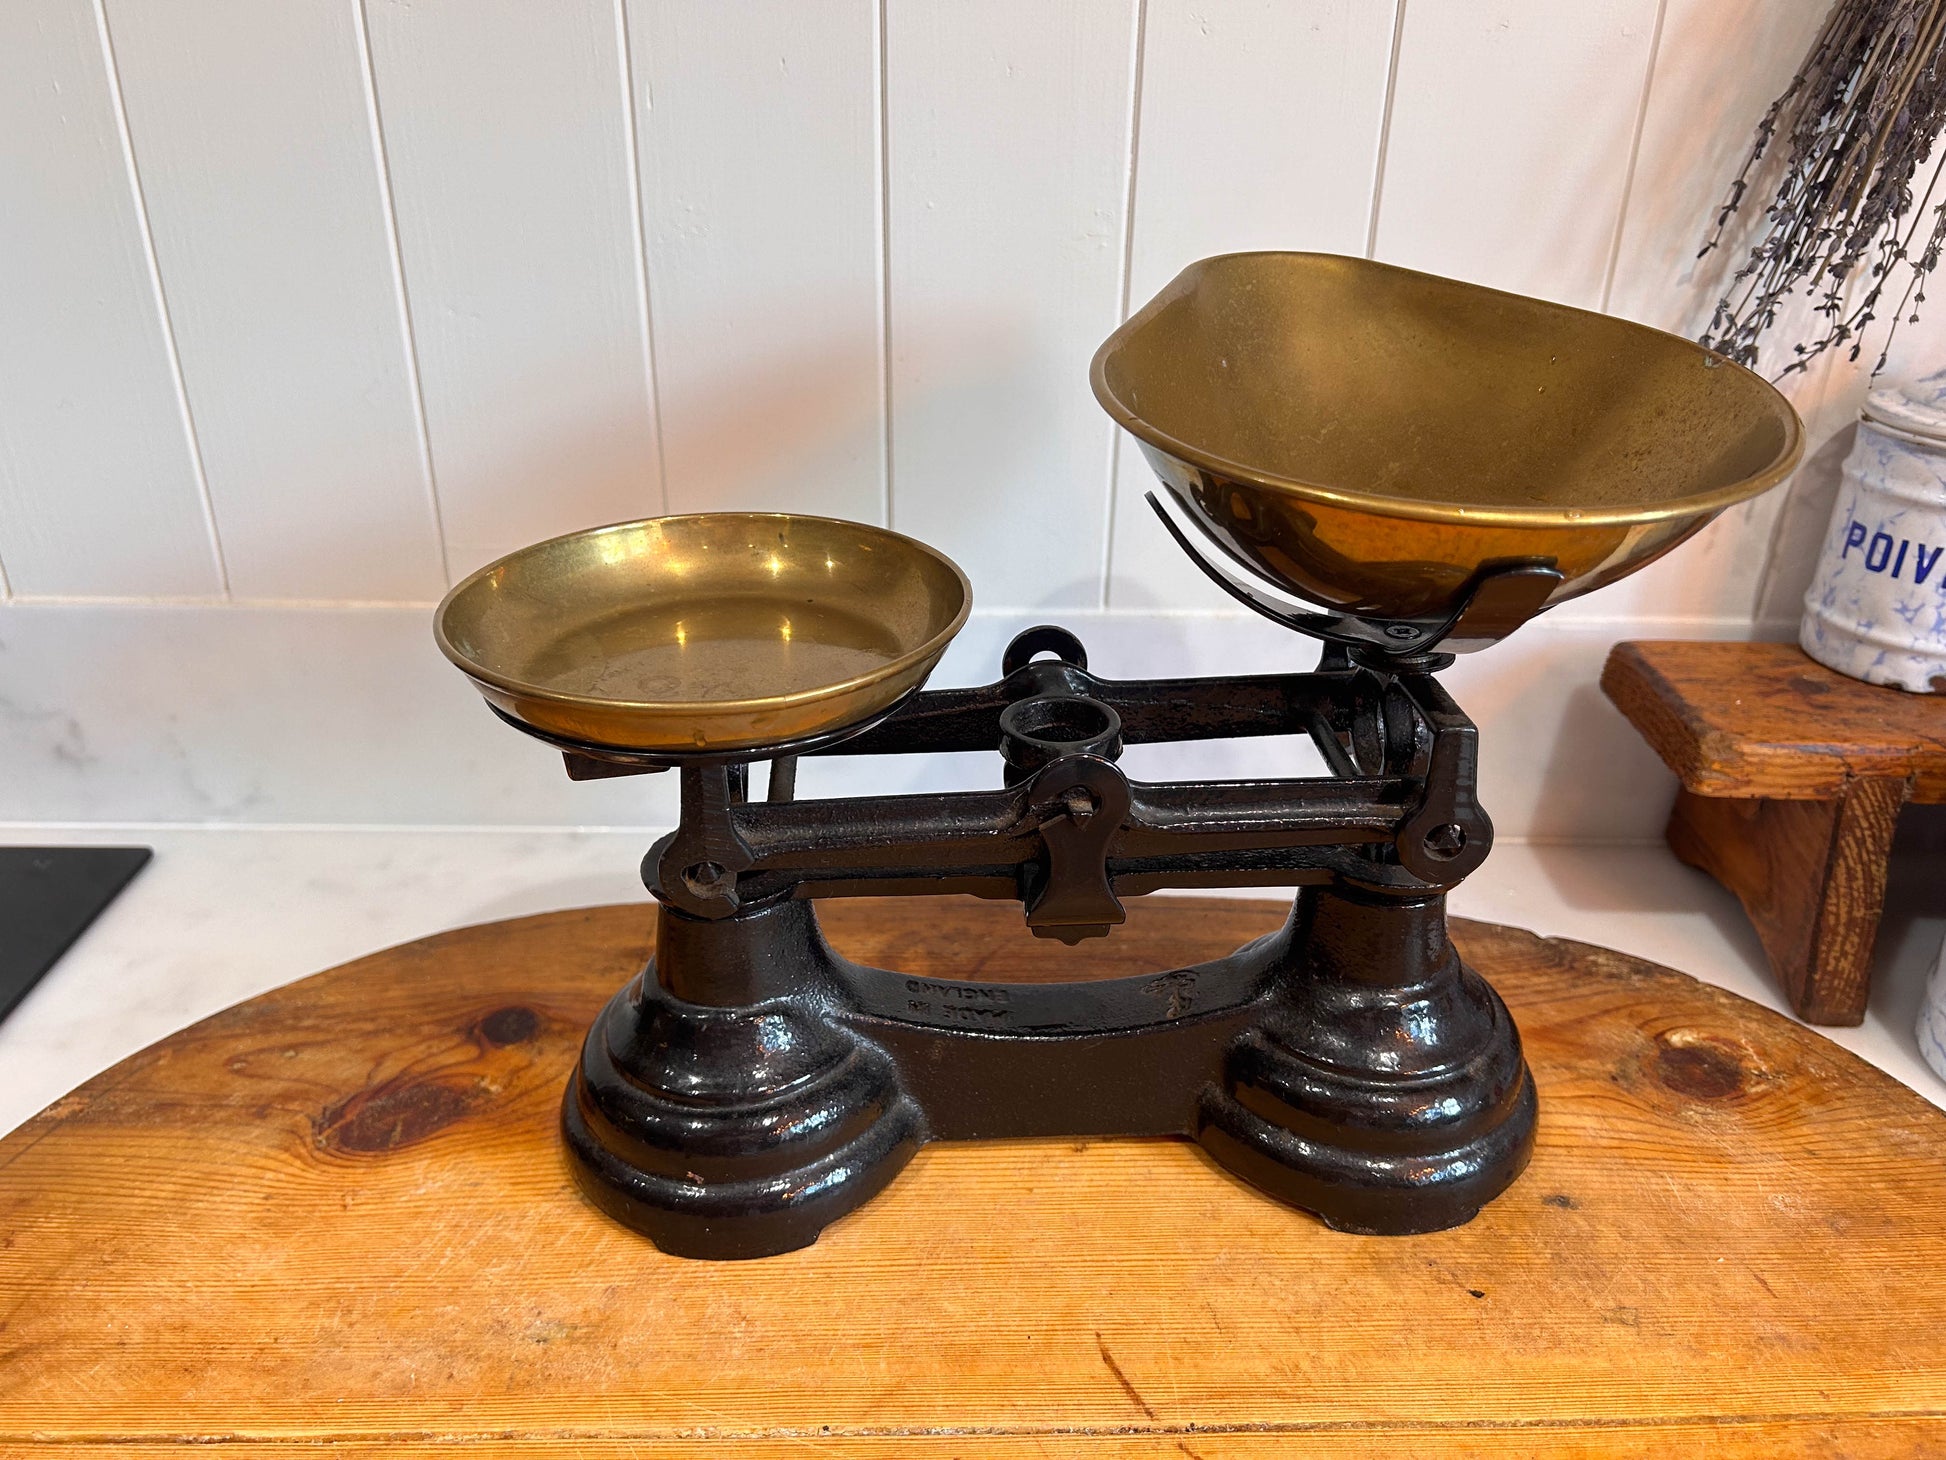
731	1132
1385	1091
1355	1173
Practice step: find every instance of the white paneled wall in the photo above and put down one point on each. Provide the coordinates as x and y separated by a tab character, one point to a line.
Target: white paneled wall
764	251
101	491
309	308
508	145
253	145
1009	126
1508	152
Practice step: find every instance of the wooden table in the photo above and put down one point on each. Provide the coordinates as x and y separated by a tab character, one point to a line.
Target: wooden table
338	1216
1792	779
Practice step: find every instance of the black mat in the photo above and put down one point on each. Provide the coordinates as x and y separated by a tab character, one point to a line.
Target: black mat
48	896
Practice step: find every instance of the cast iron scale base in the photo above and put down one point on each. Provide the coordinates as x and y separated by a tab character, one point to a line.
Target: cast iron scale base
753	1086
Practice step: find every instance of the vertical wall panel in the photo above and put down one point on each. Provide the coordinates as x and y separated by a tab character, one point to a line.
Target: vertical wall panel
506	129
252	136
760	195
1719	64
1260	125
1512	125
98	489
1008	141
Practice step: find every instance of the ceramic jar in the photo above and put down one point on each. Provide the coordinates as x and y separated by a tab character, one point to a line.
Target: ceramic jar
1877	608
1932	1018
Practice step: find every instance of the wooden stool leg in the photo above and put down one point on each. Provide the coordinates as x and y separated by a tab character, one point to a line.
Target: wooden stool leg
1811	874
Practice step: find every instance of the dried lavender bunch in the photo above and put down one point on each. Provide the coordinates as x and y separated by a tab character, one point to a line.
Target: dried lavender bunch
1859	120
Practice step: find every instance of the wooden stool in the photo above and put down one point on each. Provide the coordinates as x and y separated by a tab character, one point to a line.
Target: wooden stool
337	1220
1792	779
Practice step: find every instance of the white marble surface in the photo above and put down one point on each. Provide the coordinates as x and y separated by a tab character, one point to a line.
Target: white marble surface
279	715
222	914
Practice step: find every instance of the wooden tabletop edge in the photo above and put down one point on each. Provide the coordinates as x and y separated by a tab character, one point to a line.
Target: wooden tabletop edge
551	1435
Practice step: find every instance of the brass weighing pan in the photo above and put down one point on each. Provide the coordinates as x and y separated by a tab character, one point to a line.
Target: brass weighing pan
721	631
1370	438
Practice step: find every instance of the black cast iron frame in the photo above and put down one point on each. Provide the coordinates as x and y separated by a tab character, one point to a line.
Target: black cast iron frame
752	1086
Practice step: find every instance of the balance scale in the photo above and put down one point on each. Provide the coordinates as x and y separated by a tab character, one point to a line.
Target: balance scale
1426	462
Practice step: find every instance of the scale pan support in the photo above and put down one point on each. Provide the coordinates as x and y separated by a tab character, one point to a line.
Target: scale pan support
1374	440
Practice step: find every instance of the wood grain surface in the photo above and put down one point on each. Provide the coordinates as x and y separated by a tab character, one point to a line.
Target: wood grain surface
1811	875
1736	719
1793	776
338	1216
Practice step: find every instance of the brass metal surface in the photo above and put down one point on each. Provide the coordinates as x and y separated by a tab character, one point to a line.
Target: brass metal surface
1370	437
719	631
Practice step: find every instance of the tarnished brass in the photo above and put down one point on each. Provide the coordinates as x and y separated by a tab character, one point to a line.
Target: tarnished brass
720	631
1369	437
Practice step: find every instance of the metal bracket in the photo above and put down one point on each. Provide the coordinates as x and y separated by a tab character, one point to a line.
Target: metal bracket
1501	598
1087	800
695	867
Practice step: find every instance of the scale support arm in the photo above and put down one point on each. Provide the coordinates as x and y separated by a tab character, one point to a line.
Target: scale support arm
1501	598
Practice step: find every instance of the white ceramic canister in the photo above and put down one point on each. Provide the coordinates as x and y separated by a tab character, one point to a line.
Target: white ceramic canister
1932	1018
1877	608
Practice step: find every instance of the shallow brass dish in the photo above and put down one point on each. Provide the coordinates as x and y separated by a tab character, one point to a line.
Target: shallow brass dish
1369	437
722	631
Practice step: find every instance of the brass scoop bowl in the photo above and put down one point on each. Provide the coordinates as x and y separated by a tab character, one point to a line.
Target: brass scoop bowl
718	632
1373	439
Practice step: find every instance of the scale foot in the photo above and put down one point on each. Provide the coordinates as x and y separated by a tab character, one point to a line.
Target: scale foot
1386	1090
732	1132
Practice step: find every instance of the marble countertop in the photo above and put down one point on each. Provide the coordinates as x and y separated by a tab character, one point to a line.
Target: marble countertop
225	913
